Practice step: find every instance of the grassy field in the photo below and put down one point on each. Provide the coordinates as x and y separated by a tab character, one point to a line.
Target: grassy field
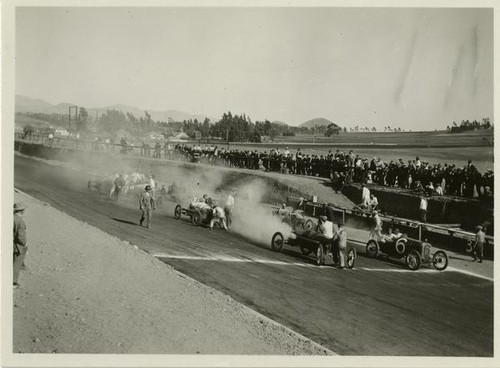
430	138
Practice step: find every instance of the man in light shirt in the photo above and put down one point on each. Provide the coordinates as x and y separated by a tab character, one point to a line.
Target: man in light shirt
373	204
325	232
342	245
478	247
438	190
228	207
423	209
365	196
378	224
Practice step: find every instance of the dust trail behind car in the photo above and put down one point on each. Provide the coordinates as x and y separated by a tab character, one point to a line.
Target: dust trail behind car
251	218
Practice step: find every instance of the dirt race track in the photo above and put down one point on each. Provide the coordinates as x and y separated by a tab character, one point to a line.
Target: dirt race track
378	308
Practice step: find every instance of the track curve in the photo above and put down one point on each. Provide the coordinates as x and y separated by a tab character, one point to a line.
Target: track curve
378	308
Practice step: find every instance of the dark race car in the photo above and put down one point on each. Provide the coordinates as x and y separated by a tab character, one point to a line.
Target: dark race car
412	251
308	243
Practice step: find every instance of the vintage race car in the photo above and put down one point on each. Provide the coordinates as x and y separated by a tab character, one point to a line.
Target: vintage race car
200	213
295	218
308	243
414	252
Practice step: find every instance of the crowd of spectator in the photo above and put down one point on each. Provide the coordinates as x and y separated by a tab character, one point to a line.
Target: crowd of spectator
346	167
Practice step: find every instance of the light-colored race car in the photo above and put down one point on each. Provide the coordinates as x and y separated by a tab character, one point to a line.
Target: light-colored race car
201	213
295	218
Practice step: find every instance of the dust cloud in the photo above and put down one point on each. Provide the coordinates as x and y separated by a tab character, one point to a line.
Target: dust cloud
251	218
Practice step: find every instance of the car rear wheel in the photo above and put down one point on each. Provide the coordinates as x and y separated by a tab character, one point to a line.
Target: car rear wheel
320	255
178	211
440	260
371	248
350	257
277	242
413	260
305	251
196	218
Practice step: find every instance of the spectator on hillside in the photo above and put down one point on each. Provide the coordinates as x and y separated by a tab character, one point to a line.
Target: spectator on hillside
438	190
423	209
365	196
373	204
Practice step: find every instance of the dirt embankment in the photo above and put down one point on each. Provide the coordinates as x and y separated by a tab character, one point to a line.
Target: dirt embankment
441	209
85	291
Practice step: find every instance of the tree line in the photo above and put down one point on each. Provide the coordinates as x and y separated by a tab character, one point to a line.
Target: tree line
232	127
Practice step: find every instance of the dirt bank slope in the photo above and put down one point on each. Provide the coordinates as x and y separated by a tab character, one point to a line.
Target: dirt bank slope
87	292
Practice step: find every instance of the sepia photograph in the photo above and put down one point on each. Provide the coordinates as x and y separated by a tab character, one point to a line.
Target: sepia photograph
248	184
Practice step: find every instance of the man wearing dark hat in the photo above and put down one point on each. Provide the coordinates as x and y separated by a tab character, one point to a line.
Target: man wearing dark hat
20	247
477	249
146	205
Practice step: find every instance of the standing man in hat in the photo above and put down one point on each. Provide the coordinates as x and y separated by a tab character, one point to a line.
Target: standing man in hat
20	247
478	248
146	205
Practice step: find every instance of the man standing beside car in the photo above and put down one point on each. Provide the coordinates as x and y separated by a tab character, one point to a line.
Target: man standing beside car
478	248
342	244
325	232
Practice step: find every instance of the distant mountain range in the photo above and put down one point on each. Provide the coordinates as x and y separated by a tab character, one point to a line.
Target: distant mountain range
317	122
27	104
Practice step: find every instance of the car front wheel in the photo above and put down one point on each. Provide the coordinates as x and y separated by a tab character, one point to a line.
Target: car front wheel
371	248
178	211
413	260
320	255
277	242
350	257
196	219
440	260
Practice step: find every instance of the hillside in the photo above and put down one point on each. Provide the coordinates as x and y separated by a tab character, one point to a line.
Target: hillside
27	104
317	122
279	123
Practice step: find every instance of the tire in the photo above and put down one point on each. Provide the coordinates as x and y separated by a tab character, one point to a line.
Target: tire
413	260
178	212
305	251
440	260
350	257
372	248
308	225
196	218
277	242
320	255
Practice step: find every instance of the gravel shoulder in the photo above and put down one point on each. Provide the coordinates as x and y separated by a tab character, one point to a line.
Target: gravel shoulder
85	291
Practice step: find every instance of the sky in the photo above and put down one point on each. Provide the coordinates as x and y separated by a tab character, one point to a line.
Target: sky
414	68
